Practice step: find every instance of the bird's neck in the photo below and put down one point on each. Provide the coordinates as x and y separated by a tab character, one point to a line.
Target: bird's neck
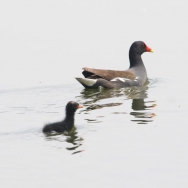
69	118
69	122
135	59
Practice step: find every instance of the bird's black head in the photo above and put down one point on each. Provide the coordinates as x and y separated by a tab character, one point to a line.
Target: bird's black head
139	47
71	107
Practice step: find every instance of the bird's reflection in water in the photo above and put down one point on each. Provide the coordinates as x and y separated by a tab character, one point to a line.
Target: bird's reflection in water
75	140
91	97
141	109
71	137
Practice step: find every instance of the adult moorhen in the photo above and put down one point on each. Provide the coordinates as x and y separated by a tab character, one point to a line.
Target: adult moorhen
136	75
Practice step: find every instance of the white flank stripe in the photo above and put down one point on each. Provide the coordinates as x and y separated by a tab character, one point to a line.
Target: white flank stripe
120	79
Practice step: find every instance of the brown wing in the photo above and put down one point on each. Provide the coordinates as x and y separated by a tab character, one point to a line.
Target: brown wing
107	74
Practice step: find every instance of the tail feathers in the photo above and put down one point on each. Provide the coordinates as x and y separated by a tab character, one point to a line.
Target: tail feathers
47	128
86	82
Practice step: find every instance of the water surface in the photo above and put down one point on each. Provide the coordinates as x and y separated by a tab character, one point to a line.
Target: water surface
135	137
119	135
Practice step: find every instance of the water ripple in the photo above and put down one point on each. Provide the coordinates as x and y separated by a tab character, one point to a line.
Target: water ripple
96	99
71	138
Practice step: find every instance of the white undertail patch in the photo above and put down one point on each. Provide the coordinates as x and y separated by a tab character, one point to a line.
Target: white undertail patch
87	81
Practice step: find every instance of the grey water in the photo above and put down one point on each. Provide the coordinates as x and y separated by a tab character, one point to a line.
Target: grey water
129	137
